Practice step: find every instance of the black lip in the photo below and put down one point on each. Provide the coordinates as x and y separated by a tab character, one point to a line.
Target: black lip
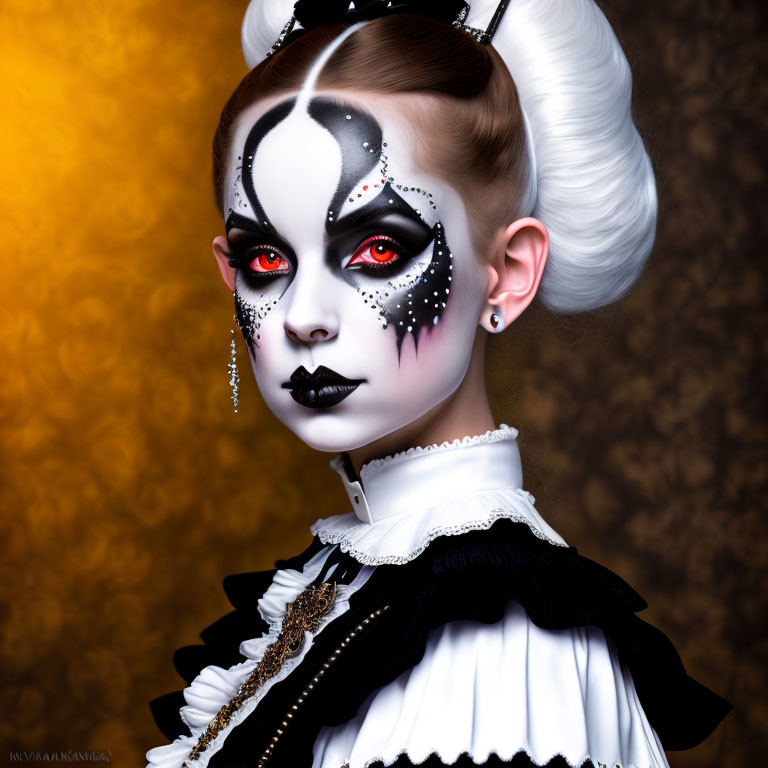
321	389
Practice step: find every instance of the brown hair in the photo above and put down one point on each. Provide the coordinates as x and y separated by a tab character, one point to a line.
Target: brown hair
474	124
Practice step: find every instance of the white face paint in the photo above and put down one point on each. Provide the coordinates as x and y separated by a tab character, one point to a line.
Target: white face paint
352	264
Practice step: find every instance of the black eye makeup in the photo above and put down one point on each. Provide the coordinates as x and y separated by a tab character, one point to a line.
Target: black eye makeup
382	237
260	262
374	240
388	214
255	253
376	254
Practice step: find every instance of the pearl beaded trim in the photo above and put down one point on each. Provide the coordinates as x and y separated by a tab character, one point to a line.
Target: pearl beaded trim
267	754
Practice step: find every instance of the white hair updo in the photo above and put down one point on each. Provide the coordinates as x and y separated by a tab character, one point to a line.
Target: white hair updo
591	180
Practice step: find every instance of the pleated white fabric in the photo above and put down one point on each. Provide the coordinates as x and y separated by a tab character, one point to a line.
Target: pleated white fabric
500	689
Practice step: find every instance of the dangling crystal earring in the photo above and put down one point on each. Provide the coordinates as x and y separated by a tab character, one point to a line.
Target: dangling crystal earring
234	376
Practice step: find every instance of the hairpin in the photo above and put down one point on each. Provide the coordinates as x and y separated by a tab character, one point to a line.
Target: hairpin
484	36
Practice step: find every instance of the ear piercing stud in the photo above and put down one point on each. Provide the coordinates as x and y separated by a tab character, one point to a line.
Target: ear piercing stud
497	321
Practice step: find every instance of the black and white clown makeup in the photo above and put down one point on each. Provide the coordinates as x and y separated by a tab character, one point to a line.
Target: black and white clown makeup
357	290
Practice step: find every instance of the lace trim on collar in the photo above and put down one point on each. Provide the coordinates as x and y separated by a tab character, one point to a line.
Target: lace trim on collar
400	539
450	530
504	432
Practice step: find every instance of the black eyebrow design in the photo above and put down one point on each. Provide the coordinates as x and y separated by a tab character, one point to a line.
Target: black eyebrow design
359	137
270	236
387	202
236	221
255	136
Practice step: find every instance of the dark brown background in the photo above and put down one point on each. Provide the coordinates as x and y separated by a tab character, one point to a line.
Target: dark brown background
129	489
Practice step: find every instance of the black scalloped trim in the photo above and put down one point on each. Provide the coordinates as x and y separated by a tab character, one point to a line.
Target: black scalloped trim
520	760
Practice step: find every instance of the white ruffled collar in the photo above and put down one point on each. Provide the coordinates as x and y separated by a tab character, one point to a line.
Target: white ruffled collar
403	502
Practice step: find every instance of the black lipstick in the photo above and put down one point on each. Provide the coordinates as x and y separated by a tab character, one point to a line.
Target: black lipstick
320	389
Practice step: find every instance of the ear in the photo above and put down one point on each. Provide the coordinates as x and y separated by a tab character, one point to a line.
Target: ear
221	252
518	261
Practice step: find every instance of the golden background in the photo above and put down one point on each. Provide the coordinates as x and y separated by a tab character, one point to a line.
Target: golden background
129	488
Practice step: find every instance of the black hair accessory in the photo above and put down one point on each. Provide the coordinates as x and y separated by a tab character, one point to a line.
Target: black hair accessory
317	13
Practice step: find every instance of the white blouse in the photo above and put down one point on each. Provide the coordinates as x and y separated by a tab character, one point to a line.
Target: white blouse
500	689
480	689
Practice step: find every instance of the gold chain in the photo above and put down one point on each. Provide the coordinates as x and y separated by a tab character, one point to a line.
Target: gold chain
302	615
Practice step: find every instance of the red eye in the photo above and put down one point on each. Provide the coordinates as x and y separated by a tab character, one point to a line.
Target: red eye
377	251
269	261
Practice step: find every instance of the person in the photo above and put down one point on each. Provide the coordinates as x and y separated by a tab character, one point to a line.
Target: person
398	181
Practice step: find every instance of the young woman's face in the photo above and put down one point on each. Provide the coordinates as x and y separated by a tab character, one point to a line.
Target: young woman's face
357	290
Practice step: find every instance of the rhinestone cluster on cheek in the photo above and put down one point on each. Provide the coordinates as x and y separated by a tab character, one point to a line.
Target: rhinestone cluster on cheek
249	317
418	298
